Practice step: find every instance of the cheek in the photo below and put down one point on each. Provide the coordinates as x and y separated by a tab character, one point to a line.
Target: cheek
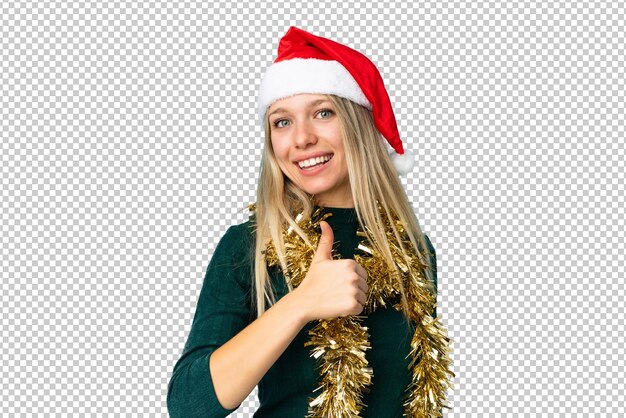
282	155
336	140
279	151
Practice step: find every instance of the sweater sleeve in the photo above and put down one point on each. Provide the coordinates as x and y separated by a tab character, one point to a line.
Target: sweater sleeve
433	262
223	309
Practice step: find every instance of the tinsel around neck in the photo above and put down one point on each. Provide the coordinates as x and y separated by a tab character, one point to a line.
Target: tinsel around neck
340	343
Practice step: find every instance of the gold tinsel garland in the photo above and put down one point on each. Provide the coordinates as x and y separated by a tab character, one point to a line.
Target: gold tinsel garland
340	343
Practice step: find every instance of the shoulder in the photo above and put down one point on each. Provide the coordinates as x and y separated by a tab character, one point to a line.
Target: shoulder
431	253
429	244
433	263
237	242
232	257
238	234
244	230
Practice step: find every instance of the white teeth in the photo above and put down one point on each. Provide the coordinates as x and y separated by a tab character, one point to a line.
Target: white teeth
313	161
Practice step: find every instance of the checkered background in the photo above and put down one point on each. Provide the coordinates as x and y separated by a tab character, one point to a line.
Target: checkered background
129	143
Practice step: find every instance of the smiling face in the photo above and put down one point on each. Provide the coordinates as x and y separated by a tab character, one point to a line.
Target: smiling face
305	133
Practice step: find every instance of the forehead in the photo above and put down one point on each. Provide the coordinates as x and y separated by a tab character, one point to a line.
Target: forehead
303	100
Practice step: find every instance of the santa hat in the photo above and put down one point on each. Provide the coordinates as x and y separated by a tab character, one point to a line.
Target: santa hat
307	63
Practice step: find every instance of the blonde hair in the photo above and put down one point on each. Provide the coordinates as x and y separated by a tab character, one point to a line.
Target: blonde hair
372	178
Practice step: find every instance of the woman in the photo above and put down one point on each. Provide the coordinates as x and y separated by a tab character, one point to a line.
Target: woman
326	296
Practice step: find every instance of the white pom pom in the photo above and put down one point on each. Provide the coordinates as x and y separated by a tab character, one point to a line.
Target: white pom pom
404	163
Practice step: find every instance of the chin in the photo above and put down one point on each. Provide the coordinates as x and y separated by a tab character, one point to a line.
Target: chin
315	190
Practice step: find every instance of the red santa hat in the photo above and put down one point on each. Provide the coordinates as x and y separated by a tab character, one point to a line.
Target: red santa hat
307	63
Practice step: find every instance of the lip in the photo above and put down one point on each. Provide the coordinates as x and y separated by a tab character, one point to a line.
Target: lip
315	171
317	154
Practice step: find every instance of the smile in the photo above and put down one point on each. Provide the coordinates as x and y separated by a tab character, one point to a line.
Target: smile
313	163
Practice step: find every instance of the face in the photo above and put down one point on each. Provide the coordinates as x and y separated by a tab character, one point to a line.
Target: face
305	130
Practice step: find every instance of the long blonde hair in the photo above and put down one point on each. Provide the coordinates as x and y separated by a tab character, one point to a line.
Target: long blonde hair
372	178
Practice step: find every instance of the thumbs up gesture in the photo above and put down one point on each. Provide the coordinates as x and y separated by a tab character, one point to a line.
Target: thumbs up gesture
331	288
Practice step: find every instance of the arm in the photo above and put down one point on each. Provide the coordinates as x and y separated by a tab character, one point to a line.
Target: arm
222	313
238	366
222	310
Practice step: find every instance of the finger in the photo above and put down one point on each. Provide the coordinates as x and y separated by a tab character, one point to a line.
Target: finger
363	287
362	298
325	244
361	271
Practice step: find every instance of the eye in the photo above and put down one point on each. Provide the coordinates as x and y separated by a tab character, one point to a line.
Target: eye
326	111
276	123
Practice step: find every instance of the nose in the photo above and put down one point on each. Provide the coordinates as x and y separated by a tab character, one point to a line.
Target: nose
305	134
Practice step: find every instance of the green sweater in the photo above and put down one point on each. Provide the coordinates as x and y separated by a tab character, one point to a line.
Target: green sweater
224	308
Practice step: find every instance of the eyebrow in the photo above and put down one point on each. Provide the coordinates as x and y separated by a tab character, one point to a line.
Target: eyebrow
310	104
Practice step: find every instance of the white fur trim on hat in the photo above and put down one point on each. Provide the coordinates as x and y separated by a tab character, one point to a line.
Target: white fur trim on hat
307	75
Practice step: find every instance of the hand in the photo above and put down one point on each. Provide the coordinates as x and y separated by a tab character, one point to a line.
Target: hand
331	288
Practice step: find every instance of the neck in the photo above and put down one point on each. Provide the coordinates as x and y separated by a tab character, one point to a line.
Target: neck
342	204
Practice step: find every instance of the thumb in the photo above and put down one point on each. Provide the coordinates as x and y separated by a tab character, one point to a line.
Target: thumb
325	245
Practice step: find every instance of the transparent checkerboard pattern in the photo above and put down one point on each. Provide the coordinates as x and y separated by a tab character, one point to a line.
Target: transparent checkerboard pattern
129	143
